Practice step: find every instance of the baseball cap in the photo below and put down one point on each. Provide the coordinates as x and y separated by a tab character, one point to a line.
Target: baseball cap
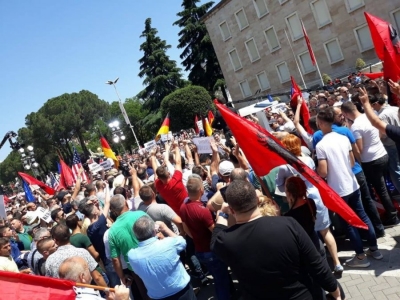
61	195
225	168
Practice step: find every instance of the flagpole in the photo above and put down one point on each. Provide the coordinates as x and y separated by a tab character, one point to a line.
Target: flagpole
294	56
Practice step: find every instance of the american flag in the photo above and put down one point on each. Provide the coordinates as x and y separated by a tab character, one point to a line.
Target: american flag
76	166
55	183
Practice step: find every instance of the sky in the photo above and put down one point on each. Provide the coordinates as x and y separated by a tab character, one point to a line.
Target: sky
48	48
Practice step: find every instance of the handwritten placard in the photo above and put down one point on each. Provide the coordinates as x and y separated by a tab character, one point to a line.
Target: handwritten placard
150	145
203	145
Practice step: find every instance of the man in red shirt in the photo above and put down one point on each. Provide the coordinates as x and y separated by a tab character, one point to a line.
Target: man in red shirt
198	223
170	188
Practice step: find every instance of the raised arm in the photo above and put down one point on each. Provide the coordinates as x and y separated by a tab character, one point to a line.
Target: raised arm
188	152
296	120
153	160
215	158
135	182
372	117
106	207
178	158
77	184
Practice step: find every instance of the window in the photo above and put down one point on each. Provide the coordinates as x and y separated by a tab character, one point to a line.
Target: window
396	19
352	5
263	81
333	51
321	13
363	37
241	19
294	25
245	88
235	60
252	50
272	39
306	63
225	32
261	7
283	72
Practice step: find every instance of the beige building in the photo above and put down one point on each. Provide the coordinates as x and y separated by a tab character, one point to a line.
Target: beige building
255	55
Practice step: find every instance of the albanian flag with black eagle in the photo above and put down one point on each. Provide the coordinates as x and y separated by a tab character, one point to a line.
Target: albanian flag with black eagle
264	152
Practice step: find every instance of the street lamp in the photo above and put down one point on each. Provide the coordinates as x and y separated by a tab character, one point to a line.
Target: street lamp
121	106
28	159
117	133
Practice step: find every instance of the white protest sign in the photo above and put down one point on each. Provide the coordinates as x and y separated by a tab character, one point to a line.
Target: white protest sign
3	213
95	168
106	165
203	145
200	125
150	145
44	214
167	137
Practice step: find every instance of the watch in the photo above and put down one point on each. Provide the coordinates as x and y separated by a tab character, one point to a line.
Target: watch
224	215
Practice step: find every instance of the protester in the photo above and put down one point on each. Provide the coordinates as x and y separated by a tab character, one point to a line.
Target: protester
45	247
6	261
157	261
281	274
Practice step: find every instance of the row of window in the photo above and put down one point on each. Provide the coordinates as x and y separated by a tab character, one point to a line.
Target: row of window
319	8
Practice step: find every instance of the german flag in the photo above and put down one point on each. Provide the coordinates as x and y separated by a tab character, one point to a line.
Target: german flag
164	129
108	152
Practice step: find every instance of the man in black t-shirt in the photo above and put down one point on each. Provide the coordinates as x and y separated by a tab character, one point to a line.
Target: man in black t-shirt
292	268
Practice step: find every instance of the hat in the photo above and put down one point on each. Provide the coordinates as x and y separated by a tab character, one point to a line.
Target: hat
225	168
61	195
31	217
284	172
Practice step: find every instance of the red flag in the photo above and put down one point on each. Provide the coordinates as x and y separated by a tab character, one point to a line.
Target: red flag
304	113
66	177
196	127
31	287
210	117
310	50
32	180
373	75
264	152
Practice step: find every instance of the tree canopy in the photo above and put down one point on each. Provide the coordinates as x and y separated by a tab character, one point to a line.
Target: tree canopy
184	104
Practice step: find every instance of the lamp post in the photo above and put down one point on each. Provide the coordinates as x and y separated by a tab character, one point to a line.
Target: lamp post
121	106
117	133
28	159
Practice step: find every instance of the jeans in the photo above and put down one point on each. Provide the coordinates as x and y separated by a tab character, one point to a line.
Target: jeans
111	274
219	271
186	294
190	258
369	203
375	173
394	166
354	201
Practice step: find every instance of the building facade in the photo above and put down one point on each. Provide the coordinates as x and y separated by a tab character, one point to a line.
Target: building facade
254	52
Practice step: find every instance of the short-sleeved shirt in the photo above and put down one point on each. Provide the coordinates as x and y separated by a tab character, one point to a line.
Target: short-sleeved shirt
80	240
121	237
174	192
26	239
95	233
335	149
198	219
55	260
389	115
8	264
373	148
318	135
160	212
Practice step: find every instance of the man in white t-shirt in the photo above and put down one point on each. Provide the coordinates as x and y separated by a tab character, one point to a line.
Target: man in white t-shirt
374	158
335	160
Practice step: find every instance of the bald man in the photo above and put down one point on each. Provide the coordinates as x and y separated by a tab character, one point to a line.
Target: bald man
77	269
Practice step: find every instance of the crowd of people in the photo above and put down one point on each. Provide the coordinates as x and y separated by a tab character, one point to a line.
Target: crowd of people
180	216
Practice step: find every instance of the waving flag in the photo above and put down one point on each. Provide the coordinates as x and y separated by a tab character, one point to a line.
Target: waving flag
373	75
207	127
108	152
32	180
210	116
55	183
310	50
66	176
264	152
164	129
304	113
76	166
28	193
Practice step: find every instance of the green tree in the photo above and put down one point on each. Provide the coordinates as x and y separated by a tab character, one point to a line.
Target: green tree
184	104
198	54
10	167
326	78
160	74
360	64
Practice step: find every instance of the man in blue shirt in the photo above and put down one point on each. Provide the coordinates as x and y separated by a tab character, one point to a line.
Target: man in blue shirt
157	262
369	204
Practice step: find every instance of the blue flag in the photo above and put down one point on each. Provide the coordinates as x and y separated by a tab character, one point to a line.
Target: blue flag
28	193
270	98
